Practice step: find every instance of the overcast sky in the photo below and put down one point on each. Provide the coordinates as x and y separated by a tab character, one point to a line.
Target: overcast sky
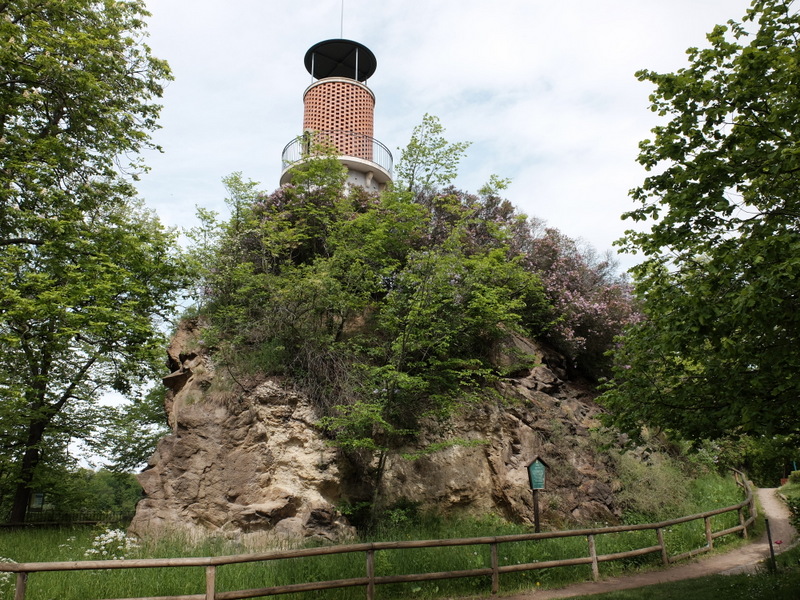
544	89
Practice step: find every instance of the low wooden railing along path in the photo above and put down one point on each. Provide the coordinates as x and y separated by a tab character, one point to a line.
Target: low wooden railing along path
370	580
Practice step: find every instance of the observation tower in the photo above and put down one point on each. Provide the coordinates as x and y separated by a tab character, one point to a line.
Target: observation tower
339	114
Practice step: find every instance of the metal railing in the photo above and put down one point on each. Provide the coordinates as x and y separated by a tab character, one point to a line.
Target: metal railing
339	143
370	580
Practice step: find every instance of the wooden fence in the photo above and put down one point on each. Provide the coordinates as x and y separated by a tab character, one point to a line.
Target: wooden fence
370	580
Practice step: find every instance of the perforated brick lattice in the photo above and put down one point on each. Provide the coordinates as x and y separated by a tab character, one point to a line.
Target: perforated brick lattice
344	110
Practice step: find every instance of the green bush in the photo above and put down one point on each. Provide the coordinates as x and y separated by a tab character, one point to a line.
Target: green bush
652	490
794	477
660	487
794	505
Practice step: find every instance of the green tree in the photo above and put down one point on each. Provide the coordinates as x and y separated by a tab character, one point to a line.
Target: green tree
717	350
72	491
80	316
76	90
85	272
429	162
132	431
765	459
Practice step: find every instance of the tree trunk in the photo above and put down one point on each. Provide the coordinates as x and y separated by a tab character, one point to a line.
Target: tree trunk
376	494
43	413
30	460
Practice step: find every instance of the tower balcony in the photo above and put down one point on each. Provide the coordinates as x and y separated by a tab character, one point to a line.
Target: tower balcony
368	161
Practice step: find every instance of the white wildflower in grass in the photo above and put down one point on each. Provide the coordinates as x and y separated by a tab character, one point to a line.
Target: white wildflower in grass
6	577
111	544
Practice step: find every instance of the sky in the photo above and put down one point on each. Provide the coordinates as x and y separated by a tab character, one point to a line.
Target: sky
544	90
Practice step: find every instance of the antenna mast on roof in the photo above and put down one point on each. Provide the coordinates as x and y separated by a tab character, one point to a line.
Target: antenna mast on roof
341	26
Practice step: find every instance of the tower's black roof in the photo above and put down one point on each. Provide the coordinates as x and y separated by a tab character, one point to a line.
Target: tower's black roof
340	58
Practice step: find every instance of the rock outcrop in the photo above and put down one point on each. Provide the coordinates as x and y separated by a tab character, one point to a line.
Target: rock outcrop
245	462
252	461
536	414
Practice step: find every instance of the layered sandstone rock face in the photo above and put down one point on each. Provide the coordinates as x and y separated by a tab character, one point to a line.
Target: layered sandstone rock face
238	463
537	413
252	462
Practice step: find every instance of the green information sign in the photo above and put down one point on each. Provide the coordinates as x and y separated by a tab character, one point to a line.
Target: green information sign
536	474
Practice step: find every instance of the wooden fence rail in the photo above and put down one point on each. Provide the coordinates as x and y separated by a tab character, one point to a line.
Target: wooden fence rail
370	580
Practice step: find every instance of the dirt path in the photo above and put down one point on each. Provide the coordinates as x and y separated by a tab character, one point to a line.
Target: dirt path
736	561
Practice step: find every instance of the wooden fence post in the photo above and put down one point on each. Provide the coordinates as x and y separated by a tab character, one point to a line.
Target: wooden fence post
742	523
593	554
495	569
22	582
709	539
211	582
371	574
664	555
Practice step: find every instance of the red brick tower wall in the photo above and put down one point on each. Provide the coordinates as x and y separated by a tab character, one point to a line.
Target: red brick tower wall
344	108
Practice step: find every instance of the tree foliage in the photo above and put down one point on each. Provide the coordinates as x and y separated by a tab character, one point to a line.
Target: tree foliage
132	431
75	492
591	302
79	317
411	304
86	273
76	91
429	162
717	350
765	459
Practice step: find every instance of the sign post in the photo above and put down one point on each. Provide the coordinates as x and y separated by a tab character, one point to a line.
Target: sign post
537	471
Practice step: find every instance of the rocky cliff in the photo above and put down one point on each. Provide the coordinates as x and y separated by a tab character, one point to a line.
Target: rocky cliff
251	461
